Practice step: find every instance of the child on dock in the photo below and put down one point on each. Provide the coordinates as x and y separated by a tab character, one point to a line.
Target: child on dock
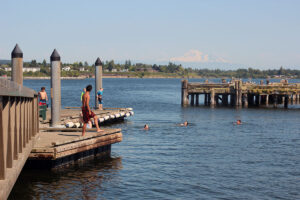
99	97
43	97
87	114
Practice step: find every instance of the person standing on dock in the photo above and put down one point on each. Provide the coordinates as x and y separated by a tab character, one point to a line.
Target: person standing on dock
43	97
99	97
87	114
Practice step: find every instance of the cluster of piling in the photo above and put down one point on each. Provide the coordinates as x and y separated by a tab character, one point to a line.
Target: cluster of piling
240	94
55	64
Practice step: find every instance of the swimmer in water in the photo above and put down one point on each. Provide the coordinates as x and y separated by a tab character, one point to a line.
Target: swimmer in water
184	124
238	122
146	127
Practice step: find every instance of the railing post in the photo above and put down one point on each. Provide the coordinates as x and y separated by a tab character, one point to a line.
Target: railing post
17	65
4	112
17	129
55	88
11	132
98	79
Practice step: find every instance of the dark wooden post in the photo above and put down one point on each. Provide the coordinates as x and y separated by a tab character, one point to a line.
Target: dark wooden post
205	99
275	98
17	65
232	99
286	101
192	99
197	99
184	93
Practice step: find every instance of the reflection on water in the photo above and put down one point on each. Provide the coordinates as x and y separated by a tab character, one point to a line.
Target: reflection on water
83	180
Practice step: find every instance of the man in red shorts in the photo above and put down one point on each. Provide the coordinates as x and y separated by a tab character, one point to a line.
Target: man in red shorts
87	114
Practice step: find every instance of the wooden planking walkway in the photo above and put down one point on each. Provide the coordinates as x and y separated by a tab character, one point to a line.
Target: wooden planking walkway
54	145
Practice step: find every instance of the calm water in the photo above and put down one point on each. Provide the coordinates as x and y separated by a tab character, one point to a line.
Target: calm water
211	159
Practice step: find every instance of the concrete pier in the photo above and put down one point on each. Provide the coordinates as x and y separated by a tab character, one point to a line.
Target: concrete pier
17	65
55	88
98	79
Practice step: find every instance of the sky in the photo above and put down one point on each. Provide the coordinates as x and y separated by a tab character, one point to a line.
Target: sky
196	33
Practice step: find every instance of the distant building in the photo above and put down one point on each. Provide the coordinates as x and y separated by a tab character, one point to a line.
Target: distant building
67	68
124	70
31	69
114	70
81	69
7	69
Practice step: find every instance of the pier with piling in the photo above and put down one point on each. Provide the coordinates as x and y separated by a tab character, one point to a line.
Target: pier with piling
28	140
240	94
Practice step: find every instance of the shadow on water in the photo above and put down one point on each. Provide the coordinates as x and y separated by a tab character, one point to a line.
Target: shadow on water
84	180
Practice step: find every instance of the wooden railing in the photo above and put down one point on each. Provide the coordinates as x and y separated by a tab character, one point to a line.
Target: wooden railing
19	125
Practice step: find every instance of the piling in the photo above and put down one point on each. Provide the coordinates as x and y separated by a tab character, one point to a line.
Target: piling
212	98
17	65
184	93
197	99
245	97
98	79
192	99
286	101
55	88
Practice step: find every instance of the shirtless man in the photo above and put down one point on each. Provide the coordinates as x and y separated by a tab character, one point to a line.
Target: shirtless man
43	97
87	114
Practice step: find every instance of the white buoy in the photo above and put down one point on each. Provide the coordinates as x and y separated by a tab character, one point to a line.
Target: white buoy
130	109
131	113
127	114
69	124
77	125
101	119
106	117
122	114
112	116
117	115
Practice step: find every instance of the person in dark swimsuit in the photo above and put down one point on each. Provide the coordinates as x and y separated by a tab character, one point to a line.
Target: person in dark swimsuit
87	114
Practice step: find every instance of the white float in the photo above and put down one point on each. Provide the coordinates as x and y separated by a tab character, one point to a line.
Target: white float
131	113
117	115
101	119
127	114
106	117
112	116
122	114
69	124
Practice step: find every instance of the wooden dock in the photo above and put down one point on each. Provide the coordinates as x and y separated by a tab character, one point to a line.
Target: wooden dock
60	146
238	93
56	148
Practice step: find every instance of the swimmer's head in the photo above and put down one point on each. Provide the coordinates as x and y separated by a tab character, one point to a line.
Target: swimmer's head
146	127
238	122
185	123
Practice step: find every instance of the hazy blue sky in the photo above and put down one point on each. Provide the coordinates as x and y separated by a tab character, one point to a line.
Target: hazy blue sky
251	33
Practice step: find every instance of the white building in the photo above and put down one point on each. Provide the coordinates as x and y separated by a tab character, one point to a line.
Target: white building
81	69
31	69
67	68
114	70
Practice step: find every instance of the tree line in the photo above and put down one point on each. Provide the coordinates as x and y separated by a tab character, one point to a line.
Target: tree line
141	69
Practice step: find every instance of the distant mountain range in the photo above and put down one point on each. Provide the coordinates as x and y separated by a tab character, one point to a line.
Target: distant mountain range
3	62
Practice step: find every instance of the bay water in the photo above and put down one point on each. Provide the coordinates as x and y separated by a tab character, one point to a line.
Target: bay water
212	158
